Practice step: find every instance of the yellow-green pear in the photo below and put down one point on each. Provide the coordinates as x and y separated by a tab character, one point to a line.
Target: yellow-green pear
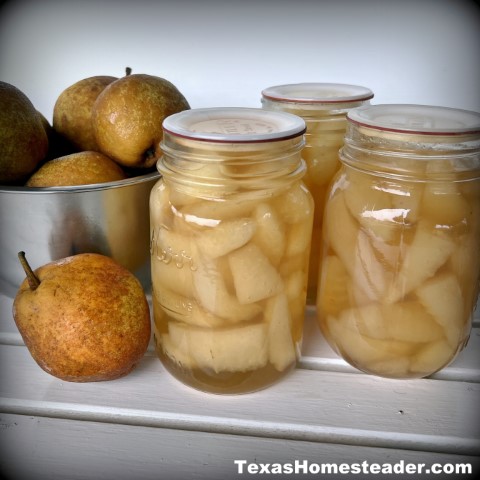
23	140
80	168
72	112
128	115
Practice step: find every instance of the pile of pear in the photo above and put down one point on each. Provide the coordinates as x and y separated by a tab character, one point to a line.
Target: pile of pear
104	129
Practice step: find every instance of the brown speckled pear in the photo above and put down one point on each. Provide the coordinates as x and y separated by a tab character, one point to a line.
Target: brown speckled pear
84	318
81	168
72	112
127	118
23	140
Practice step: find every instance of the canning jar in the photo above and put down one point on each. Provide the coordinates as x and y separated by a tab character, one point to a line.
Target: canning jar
400	269
323	106
231	225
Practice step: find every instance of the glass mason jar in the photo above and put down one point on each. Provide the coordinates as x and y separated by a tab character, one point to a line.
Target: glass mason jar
231	226
400	269
324	107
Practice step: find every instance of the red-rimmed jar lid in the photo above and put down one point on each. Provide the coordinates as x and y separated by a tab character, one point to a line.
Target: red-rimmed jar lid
416	119
317	93
234	125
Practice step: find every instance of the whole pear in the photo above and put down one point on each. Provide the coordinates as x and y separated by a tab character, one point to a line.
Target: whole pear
72	112
127	118
83	318
80	168
23	140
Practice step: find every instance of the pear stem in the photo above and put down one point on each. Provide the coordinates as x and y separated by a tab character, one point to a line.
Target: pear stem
128	71
33	280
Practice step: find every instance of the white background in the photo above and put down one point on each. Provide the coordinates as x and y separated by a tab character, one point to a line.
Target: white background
223	53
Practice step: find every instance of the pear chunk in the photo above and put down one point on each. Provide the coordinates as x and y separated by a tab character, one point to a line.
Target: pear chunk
185	309
333	293
253	275
433	357
225	237
236	349
429	250
445	205
281	349
295	205
442	298
212	294
178	353
270	232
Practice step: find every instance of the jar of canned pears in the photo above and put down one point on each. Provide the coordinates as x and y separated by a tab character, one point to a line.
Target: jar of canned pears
400	269
231	225
323	106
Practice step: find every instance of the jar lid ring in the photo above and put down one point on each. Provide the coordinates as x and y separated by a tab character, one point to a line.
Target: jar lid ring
234	125
317	93
416	119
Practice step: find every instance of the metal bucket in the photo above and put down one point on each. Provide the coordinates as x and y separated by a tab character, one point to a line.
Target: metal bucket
52	223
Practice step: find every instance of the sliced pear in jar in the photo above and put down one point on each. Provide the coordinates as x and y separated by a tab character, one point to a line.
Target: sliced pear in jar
185	310
281	349
392	368
160	207
442	298
212	294
298	239
407	197
333	292
172	261
294	205
236	349
206	212
443	204
225	237
254	276
177	352
410	322
346	331
341	229
270	232
370	205
429	250
432	357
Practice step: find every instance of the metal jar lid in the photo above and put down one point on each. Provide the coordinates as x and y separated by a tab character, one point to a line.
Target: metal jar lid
317	93
416	119
234	125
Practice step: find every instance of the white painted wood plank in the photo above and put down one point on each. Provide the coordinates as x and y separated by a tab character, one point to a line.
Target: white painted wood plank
56	449
307	405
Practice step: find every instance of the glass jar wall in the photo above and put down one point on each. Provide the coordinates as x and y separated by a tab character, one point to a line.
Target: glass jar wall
400	269
323	106
230	236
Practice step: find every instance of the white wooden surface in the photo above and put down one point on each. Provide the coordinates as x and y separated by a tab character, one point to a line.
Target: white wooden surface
147	425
